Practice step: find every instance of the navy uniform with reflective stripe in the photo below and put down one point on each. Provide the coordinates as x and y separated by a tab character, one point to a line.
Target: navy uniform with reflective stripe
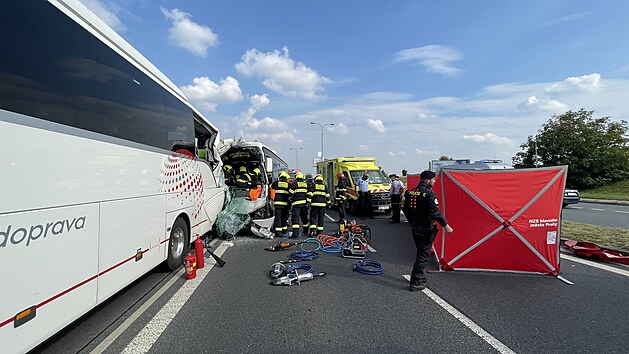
298	195
422	210
319	200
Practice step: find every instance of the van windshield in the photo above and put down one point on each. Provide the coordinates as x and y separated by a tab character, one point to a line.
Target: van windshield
375	176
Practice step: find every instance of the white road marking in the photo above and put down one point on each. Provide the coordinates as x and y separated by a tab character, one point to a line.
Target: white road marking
596	265
491	340
621	211
144	340
597	209
576	207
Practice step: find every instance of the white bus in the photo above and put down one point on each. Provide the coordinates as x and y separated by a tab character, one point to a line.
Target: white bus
98	175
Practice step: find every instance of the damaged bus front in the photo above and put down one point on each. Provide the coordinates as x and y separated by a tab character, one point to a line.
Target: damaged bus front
250	168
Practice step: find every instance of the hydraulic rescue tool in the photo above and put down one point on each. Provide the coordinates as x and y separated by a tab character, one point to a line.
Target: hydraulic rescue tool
295	278
281	246
278	268
355	247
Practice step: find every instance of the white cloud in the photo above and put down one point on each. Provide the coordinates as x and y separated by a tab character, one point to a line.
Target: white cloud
282	74
396	153
363	147
568	18
434	58
267	129
421	152
585	83
189	35
340	128
376	125
209	94
487	138
105	13
534	104
260	101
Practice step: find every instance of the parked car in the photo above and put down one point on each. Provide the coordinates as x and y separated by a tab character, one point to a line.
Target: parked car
570	196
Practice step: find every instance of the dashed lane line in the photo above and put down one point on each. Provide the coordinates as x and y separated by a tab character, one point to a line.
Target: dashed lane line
491	340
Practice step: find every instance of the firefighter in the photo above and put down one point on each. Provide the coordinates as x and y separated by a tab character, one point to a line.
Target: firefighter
319	200
339	196
230	178
280	196
298	195
243	179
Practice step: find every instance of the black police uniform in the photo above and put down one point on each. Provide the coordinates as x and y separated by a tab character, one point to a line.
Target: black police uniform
422	210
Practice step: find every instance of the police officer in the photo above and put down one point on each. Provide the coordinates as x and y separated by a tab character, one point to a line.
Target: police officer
298	191
280	195
395	192
319	200
339	196
422	210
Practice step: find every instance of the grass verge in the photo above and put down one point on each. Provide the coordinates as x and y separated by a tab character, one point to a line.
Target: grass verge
611	237
614	191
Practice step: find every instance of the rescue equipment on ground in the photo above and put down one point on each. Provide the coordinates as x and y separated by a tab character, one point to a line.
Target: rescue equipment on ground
281	246
292	274
355	247
368	267
279	269
591	250
191	267
219	261
198	252
304	255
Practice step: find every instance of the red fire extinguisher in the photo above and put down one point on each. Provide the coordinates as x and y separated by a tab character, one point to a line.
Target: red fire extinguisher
191	267
198	249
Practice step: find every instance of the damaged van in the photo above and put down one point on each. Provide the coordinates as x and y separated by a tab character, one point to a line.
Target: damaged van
250	168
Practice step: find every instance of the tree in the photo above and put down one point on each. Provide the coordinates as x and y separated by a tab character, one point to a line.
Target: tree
404	172
596	150
445	158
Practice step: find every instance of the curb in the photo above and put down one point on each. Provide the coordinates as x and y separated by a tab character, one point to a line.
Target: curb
605	201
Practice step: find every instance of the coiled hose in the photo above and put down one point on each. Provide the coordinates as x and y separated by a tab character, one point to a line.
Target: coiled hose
369	267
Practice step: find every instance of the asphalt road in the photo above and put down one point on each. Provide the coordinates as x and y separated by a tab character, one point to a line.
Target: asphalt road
598	214
234	309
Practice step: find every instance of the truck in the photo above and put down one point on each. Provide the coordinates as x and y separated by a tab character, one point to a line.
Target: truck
353	169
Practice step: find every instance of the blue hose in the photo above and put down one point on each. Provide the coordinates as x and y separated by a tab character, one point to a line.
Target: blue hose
304	255
307	268
369	267
310	240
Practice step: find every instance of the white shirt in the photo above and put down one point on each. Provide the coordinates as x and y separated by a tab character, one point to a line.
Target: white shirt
396	187
363	185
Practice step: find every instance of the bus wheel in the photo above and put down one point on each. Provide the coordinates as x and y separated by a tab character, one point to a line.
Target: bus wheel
178	244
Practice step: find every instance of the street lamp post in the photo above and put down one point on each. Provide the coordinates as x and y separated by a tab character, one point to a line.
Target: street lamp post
322	125
296	158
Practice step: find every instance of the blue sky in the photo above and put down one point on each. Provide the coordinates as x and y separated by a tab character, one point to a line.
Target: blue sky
404	81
